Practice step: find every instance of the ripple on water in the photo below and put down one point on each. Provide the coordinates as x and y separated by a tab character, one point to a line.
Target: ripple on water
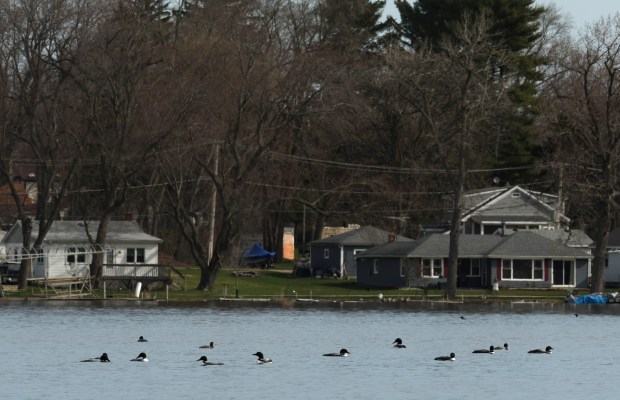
45	343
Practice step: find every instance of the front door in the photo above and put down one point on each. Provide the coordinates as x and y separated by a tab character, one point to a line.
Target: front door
562	273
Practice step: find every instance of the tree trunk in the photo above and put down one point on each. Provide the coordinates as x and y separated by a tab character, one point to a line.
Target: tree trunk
96	266
601	238
455	234
25	270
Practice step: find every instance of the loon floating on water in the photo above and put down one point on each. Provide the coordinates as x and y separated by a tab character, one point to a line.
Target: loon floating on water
102	358
451	357
207	362
547	350
491	350
207	346
142	339
343	353
261	359
504	347
399	343
141	358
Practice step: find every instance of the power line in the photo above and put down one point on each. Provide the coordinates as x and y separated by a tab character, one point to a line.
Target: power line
379	168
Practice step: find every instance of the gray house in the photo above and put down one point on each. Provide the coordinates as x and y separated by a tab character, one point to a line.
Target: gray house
510	208
522	259
335	255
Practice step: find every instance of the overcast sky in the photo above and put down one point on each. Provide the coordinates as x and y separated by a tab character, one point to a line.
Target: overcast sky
580	11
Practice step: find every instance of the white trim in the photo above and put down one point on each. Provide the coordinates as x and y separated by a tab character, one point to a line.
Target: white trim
533	269
476	209
432	266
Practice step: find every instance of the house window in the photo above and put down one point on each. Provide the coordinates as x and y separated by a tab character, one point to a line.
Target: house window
375	267
40	255
76	255
474	268
522	269
402	269
431	267
326	254
135	255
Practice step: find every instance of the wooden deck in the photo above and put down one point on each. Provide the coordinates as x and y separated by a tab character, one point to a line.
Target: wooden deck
62	288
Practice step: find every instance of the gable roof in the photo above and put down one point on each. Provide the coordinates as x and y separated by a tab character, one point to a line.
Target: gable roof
520	244
74	232
365	236
526	244
513	204
391	249
571	238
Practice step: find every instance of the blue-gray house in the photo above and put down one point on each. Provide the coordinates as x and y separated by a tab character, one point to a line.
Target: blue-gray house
335	255
522	259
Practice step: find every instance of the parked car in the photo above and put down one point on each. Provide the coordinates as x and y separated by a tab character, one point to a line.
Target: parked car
9	273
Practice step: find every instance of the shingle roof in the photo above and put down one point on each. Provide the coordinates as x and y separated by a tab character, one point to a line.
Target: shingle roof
518	244
572	238
365	236
74	232
530	244
392	249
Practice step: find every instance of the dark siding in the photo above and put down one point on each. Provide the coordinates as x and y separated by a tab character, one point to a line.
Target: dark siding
349	259
318	262
388	273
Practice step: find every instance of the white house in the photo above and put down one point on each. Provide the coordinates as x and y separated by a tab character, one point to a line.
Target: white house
66	250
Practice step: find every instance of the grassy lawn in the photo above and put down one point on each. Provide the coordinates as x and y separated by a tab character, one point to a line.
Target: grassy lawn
280	284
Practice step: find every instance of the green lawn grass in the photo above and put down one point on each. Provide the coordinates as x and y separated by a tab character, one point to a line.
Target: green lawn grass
278	283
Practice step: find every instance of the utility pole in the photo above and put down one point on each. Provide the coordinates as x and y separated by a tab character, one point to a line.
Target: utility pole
559	210
303	232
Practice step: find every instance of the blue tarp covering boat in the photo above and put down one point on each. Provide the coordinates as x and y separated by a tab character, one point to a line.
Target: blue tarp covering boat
256	255
594	298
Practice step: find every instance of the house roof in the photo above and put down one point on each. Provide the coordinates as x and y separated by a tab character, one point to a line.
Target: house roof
571	238
74	232
524	244
510	204
474	246
365	236
520	244
391	249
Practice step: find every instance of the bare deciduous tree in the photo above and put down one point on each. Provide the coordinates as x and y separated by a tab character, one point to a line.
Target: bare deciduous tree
456	93
583	115
39	122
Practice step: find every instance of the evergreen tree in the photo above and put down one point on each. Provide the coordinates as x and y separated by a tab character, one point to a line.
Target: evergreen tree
351	24
515	28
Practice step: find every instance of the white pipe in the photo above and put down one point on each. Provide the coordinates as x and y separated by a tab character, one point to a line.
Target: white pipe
137	290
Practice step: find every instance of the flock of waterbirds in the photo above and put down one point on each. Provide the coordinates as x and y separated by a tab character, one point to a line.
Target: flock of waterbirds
398	343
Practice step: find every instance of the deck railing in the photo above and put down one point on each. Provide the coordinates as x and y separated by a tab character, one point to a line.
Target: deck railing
147	272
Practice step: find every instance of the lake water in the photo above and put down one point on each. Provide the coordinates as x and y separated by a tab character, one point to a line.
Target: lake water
43	342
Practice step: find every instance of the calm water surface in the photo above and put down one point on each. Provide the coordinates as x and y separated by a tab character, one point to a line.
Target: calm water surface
42	344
